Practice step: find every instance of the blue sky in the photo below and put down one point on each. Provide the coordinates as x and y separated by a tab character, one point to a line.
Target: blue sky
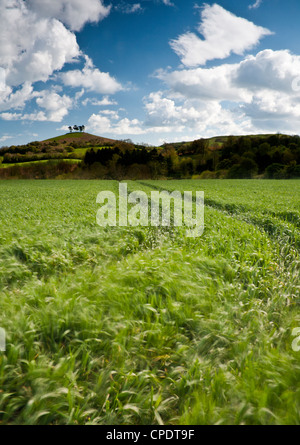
149	70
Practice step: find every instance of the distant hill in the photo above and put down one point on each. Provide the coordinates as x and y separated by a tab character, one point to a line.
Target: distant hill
250	156
84	155
68	138
218	141
68	148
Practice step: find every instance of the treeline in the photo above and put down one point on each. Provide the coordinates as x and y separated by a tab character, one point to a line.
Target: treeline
36	151
34	147
29	157
133	161
274	157
37	146
48	170
125	157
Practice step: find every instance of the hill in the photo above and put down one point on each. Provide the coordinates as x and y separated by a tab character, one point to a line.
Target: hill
84	155
219	141
69	138
70	146
263	155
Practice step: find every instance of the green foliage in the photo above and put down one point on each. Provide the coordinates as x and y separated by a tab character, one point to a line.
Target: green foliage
143	325
42	169
230	157
247	168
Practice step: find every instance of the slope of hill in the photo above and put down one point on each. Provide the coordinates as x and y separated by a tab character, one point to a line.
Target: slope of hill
55	156
219	141
68	146
68	150
69	138
263	155
270	156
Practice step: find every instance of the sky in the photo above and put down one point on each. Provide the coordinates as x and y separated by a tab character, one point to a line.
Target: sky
153	71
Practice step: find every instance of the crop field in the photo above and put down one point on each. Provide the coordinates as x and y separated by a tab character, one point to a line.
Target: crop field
42	161
143	325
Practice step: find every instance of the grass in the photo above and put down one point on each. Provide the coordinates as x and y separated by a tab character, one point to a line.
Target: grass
77	135
143	325
75	158
219	141
41	161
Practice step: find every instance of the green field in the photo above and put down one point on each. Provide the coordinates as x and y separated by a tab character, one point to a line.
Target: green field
144	325
43	161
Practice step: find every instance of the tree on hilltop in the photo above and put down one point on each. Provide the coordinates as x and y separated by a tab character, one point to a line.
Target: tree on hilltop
80	128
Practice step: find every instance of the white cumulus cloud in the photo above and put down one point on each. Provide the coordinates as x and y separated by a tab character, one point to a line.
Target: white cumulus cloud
106	101
36	47
54	108
92	79
257	94
73	13
267	70
206	83
36	42
102	124
200	117
224	33
17	99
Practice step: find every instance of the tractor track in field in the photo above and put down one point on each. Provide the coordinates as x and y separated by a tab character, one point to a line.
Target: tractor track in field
274	225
